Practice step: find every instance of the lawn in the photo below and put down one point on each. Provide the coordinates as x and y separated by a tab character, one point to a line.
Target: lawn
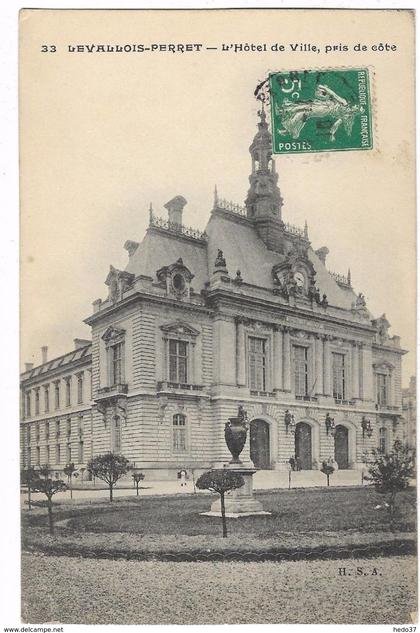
306	523
302	510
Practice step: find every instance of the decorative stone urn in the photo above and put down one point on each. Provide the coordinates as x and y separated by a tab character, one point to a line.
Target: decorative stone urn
236	429
239	502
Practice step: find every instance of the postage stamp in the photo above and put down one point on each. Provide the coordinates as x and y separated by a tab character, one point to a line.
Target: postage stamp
321	110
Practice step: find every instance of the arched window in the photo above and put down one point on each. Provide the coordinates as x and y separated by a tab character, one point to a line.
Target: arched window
382	440
179	433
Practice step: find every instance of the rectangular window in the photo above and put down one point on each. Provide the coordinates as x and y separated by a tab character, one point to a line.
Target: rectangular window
28	431
28	403
339	376
382	440
48	454
381	389
57	394
178	361
57	454
68	392
47	430
80	452
29	456
300	361
37	401
80	388
80	426
116	435
57	428
68	427
257	364
68	453
116	364
179	436
38	456
37	434
47	398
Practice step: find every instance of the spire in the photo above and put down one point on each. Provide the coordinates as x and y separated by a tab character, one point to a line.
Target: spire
151	213
305	231
263	199
349	277
216	198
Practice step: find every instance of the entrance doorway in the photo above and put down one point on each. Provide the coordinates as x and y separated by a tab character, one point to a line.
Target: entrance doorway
303	445
341	446
259	441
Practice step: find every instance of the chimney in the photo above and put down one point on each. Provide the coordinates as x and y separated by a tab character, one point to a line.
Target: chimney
44	352
80	342
97	305
175	208
28	366
322	253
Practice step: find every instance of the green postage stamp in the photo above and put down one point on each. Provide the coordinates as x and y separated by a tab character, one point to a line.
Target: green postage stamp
321	110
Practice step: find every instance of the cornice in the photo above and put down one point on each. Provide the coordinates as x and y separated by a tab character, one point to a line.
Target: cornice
145	297
280	310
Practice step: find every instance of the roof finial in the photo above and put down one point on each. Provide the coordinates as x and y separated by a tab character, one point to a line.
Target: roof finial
151	213
305	231
349	277
216	197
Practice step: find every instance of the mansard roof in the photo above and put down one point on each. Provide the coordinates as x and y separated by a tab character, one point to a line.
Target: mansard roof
61	362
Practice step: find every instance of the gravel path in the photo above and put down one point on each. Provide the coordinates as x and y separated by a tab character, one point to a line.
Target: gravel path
88	591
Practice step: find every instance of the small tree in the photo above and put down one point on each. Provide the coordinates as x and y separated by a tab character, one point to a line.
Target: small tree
49	487
44	471
27	475
109	467
391	473
220	481
137	478
328	470
70	470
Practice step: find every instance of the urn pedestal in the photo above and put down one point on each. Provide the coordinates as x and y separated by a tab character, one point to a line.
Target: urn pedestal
240	502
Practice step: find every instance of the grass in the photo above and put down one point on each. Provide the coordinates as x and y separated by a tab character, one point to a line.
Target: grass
91	591
304	523
301	510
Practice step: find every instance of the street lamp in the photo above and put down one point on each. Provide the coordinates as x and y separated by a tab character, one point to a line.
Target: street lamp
366	427
329	425
289	420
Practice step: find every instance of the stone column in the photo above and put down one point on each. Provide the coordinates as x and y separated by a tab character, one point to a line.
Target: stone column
286	360
327	366
355	371
278	358
240	353
319	387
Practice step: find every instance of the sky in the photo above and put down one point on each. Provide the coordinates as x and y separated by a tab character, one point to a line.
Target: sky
104	134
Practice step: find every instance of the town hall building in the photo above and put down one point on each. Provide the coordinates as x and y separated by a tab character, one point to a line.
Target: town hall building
245	313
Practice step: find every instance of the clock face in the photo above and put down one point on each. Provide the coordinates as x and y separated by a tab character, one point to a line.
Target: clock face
299	279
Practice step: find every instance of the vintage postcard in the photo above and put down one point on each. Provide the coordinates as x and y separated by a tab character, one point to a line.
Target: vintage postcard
218	390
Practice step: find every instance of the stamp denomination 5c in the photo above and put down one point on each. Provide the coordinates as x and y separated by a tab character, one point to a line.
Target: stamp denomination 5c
321	110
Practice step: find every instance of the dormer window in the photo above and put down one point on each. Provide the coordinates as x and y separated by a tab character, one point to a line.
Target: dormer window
176	279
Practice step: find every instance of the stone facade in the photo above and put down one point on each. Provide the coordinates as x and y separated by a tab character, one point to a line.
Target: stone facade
245	313
409	407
